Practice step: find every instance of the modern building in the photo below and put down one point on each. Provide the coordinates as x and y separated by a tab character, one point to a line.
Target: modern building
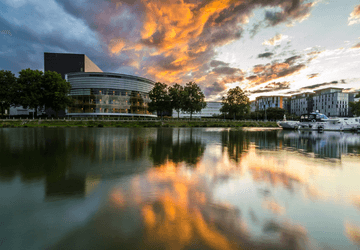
64	63
109	94
97	93
265	102
212	109
331	102
301	103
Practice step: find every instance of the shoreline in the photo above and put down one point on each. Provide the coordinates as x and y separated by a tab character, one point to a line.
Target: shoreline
135	124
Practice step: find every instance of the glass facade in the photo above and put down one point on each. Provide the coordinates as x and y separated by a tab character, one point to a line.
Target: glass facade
108	101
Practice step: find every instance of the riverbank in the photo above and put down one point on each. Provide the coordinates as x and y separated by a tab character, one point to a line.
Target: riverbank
132	123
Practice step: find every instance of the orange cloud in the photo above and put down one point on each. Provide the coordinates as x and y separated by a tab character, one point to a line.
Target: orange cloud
354	17
352	231
276	70
177	39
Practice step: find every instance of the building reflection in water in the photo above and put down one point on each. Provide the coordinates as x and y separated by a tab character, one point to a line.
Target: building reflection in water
198	188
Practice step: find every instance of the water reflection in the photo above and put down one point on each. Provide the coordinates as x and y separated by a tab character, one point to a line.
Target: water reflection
168	209
177	145
179	188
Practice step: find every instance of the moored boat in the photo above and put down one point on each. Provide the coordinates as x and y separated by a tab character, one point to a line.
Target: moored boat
320	122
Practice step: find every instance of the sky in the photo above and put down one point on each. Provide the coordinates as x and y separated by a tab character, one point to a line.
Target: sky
267	47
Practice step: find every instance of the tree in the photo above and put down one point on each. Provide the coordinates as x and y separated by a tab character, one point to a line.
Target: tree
236	102
355	108
30	89
55	91
193	98
7	89
176	97
160	100
275	113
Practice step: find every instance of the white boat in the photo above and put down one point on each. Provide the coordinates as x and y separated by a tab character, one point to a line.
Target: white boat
318	121
288	124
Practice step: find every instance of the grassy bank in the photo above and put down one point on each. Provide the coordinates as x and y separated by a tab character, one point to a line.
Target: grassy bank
132	124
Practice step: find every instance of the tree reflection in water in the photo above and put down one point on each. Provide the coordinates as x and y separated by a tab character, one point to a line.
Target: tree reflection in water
170	145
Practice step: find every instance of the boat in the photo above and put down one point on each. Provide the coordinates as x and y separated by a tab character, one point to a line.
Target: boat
320	122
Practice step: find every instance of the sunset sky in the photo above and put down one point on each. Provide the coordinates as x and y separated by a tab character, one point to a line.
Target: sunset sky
267	47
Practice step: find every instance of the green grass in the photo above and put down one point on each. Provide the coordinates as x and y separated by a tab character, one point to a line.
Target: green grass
133	124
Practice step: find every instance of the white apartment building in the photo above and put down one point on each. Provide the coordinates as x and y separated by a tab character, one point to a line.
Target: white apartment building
331	102
301	103
265	102
212	108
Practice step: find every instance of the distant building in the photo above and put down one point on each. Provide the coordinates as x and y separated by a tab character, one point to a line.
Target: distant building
331	102
212	109
301	103
252	106
265	102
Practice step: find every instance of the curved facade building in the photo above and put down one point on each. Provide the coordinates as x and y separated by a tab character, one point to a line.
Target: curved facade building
109	94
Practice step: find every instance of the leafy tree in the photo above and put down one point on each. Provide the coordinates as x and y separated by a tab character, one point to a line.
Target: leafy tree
7	89
55	91
30	89
355	108
275	113
236	102
160	99
176	97
193	98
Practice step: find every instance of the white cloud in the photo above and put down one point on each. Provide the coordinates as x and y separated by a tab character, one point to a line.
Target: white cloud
276	40
354	17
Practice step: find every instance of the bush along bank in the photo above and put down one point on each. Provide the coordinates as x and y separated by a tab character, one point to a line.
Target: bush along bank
132	124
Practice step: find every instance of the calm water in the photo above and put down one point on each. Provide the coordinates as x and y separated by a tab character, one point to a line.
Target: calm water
164	188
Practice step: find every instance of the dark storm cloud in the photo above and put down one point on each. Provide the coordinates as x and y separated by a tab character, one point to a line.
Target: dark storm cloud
266	72
178	45
214	89
332	83
30	46
295	10
225	70
265	55
292	60
273	86
215	63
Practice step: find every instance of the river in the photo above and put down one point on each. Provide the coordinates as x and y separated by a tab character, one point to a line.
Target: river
178	188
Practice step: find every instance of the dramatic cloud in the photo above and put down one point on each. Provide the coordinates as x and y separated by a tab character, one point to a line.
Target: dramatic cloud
354	17
174	40
275	70
276	40
216	63
214	88
265	55
225	70
295	10
163	40
313	75
273	86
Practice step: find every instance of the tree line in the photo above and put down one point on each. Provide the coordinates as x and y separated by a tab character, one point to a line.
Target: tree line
191	99
34	89
188	98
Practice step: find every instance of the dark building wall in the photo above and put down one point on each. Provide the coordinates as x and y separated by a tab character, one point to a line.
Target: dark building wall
64	63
